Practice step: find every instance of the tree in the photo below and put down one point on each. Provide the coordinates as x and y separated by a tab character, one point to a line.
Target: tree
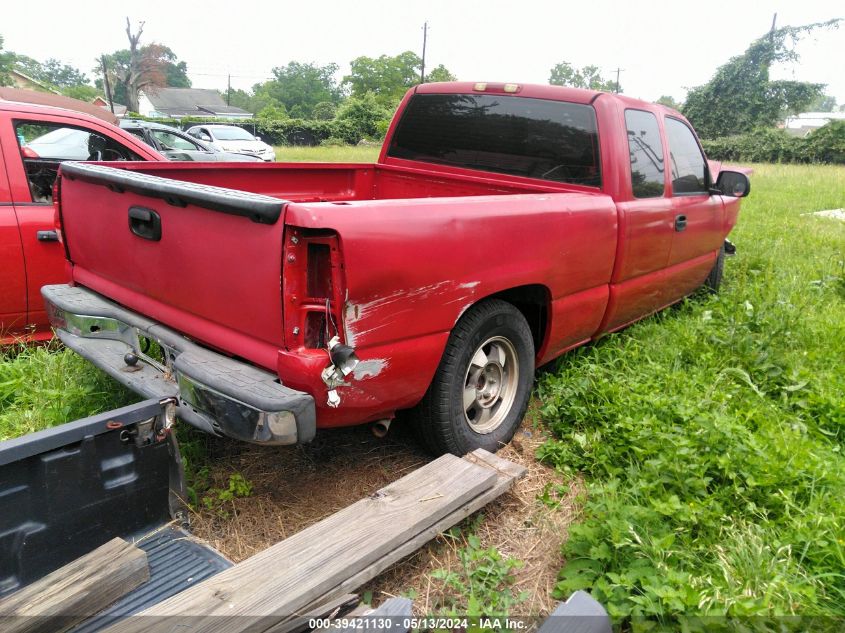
55	73
274	112
299	87
140	68
823	103
565	74
740	97
440	73
27	65
175	72
386	78
82	92
7	62
66	79
324	111
669	102
367	116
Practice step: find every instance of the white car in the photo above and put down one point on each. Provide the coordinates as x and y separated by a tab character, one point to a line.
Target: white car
231	138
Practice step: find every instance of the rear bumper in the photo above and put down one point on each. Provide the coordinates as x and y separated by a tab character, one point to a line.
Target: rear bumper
215	393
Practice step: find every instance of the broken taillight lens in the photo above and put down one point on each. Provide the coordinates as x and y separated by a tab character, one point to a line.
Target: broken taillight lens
312	288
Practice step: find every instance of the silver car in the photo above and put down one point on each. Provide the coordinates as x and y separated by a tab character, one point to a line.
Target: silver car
231	138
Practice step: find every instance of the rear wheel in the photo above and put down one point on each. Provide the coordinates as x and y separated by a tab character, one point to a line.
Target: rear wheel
482	386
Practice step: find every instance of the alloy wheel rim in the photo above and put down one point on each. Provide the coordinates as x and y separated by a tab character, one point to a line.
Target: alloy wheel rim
490	384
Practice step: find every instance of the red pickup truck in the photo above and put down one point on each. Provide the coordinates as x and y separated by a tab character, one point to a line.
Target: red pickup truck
502	225
29	251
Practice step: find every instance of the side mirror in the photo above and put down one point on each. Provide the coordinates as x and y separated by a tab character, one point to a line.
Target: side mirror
257	138
732	183
205	137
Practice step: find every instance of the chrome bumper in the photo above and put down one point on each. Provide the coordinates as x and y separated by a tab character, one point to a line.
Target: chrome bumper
215	393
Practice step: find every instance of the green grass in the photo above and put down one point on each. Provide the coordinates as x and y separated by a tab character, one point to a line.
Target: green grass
711	436
42	387
330	154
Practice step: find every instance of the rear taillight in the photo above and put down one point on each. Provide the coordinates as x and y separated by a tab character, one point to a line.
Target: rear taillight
312	288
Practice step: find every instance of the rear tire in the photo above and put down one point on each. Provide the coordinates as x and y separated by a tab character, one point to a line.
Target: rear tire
483	383
714	279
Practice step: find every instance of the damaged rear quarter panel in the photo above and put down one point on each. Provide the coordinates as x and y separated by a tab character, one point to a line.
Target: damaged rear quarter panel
413	267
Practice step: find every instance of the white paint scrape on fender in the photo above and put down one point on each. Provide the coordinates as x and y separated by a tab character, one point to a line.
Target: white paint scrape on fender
369	368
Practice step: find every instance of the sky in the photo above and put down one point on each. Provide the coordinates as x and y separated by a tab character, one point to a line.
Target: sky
662	48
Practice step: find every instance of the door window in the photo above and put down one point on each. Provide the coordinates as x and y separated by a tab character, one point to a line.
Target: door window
45	145
689	169
170	141
646	152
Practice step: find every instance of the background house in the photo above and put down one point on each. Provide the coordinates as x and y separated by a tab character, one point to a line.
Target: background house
25	82
187	102
119	108
804	123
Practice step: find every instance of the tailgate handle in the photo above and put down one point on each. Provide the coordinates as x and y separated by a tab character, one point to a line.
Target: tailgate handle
145	223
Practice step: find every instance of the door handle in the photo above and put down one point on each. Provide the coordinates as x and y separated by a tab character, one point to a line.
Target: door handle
680	222
47	236
145	223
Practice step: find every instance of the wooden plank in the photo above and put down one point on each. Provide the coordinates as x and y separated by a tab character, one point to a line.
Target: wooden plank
76	591
326	610
265	589
507	473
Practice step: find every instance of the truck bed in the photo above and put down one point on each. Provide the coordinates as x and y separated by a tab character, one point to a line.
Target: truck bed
338	182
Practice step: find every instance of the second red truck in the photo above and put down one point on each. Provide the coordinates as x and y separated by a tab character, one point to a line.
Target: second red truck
502	225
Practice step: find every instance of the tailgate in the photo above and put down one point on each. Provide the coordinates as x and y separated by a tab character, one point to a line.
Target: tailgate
204	260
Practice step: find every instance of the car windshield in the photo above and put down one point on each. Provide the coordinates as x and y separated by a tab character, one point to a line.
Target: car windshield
232	134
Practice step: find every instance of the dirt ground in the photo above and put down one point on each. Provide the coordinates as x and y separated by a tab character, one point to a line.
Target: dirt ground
295	487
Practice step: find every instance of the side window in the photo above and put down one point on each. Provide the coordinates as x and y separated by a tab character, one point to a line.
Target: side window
170	141
646	152
45	145
689	169
137	134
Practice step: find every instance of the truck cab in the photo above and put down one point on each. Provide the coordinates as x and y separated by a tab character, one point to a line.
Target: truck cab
34	141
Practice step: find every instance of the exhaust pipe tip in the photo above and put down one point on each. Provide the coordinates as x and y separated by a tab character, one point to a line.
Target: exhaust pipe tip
380	428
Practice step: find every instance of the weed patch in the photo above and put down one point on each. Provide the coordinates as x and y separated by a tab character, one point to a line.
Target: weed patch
45	386
482	585
711	436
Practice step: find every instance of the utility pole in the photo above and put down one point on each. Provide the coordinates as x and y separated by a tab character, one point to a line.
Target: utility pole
618	70
422	66
228	89
106	83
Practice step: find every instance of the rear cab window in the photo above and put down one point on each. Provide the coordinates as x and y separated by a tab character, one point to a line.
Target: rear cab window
687	163
520	136
645	148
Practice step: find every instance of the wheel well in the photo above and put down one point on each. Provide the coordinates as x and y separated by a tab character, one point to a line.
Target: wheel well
533	301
